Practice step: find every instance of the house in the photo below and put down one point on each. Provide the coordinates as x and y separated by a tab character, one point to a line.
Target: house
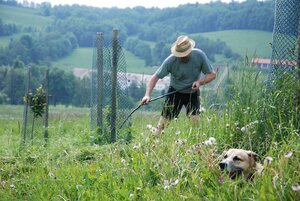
136	78
263	63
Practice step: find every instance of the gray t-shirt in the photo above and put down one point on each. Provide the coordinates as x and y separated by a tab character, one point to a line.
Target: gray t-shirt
184	74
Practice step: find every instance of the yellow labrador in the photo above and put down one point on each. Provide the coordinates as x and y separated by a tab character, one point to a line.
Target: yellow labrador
238	162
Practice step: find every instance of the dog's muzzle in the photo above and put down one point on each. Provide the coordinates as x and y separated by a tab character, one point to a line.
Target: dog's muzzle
232	171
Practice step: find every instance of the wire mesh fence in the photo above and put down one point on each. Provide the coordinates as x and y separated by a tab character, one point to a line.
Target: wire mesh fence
35	114
284	75
110	103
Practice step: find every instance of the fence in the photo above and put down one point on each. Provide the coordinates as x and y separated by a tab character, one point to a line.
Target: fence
284	76
110	103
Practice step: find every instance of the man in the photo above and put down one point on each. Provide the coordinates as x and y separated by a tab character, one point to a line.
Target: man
185	66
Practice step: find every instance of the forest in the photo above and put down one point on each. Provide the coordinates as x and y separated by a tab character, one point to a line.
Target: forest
71	27
75	26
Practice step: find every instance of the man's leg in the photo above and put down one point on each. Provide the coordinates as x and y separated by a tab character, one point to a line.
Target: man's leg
193	107
162	124
195	120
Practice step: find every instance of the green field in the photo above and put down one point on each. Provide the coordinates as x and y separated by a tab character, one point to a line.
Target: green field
83	58
24	16
245	42
180	164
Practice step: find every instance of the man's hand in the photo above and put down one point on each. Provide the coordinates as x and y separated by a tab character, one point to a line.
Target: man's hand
145	100
195	85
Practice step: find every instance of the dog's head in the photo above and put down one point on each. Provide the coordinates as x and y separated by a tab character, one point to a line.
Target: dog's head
238	162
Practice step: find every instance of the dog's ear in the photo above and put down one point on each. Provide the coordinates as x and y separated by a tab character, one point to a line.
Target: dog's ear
253	155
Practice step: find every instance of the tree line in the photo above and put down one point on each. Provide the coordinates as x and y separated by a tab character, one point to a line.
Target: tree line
75	26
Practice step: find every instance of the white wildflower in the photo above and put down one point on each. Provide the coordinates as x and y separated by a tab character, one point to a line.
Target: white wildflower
2	183
153	130
149	126
227	125
236	123
136	146
166	184
180	141
175	182
207	142
175	119
12	186
123	161
212	140
268	160
243	129
78	186
201	109
51	174
131	195
288	154
138	188
296	187
177	132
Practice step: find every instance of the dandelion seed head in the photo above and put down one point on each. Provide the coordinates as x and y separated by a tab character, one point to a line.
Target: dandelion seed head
175	182
136	146
268	160
296	187
288	154
51	174
180	141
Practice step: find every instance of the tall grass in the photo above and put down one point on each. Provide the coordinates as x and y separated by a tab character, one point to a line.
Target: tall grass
177	165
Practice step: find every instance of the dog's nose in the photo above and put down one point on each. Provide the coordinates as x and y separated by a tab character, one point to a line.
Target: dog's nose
222	165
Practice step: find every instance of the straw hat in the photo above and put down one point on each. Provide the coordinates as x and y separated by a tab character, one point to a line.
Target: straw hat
183	46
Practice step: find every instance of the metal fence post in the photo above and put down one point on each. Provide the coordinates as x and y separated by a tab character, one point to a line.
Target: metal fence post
46	106
99	94
114	86
26	104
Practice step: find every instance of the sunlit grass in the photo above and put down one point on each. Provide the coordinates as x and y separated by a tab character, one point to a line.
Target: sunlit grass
174	166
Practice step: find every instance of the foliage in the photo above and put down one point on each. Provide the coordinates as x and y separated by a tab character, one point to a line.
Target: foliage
67	27
37	102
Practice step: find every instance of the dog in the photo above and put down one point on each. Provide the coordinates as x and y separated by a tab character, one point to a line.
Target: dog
239	162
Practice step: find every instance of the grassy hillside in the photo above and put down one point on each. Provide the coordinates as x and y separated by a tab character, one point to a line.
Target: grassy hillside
83	58
244	42
23	16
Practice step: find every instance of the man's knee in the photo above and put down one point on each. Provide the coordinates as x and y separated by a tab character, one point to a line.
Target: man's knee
195	119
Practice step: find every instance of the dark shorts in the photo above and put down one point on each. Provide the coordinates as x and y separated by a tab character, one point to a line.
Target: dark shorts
175	101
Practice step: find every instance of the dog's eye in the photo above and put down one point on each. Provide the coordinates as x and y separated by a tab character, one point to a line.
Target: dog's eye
225	156
236	158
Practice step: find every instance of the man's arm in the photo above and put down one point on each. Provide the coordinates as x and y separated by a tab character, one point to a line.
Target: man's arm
149	89
207	79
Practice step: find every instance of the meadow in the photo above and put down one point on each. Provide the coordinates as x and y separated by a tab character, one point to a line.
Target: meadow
181	164
24	16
